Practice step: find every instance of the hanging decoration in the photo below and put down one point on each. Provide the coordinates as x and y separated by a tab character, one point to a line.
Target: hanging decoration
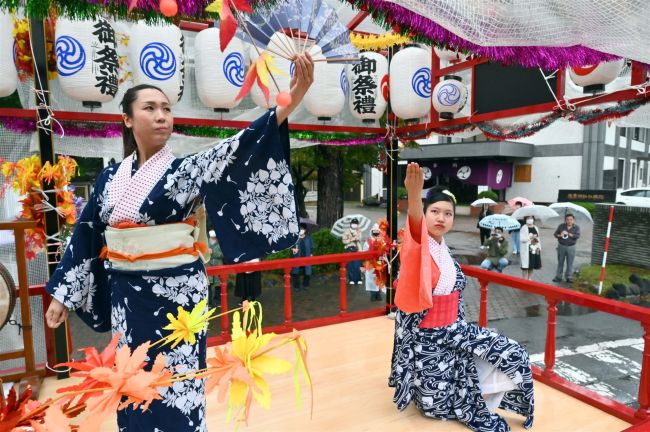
493	130
421	29
169	8
410	80
367	100
157	58
219	74
379	244
87	61
227	21
114	130
237	369
447	55
8	73
27	177
23	49
593	78
372	42
449	96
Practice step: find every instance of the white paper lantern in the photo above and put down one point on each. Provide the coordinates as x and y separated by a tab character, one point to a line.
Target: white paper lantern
326	96
157	59
447	55
219	75
593	78
410	83
449	97
86	60
368	86
280	43
8	73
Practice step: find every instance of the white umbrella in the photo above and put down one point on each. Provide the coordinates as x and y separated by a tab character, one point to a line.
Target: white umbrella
343	224
579	212
479	202
506	222
536	210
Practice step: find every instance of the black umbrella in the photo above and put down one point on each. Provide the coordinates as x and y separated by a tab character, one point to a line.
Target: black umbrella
310	225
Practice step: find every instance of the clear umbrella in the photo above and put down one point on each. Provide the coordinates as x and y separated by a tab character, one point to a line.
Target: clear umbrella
481	201
579	212
342	224
506	222
535	210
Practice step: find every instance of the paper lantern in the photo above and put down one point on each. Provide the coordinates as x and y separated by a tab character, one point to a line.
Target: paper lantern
156	53
593	78
410	83
447	55
86	60
368	86
8	73
449	96
219	75
280	42
326	96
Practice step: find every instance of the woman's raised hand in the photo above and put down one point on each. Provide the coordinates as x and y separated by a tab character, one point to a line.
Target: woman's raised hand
302	79
414	181
56	314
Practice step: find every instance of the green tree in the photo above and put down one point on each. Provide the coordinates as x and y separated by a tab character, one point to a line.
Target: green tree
338	167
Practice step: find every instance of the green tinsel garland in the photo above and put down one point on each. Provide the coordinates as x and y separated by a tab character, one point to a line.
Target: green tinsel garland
213	132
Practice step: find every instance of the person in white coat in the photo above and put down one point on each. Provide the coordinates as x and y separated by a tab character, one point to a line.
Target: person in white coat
530	248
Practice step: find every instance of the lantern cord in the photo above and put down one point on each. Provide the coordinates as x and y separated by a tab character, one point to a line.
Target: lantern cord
245	27
42	123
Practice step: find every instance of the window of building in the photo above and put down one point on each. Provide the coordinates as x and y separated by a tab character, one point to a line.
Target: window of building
523	173
623	131
637	132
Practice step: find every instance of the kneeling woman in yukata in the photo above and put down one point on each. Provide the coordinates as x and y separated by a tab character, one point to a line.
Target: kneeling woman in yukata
449	368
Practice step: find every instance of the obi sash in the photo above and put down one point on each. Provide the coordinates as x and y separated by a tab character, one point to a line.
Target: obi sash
142	247
443	312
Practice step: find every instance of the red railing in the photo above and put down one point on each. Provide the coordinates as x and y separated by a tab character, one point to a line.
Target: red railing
553	295
286	265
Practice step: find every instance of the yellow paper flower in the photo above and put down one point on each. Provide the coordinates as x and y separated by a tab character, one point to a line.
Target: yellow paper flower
186	325
266	63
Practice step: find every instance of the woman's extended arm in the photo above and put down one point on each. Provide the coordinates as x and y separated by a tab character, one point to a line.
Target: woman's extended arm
414	182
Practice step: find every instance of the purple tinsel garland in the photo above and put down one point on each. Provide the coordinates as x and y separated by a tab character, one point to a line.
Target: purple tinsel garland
548	58
354	141
185	7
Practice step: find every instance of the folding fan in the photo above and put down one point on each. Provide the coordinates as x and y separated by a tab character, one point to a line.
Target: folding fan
307	22
309	26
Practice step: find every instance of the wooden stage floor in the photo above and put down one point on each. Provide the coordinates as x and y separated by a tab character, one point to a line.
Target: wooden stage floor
349	366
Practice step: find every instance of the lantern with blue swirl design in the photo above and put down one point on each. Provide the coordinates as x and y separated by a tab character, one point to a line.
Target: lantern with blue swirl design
367	78
449	96
86	60
219	75
8	73
410	83
326	96
156	53
593	78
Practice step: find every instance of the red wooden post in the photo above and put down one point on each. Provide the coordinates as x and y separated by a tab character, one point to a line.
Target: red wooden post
644	385
287	295
343	290
549	350
225	326
482	317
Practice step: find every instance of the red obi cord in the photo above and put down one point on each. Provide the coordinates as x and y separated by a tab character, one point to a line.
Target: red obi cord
443	312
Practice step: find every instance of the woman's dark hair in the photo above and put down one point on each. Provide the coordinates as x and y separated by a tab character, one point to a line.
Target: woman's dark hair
128	139
439	193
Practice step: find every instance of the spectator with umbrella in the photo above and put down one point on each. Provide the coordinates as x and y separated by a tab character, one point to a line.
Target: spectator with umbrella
497	245
485	204
529	237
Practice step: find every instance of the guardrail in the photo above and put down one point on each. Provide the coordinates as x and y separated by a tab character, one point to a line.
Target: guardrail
547	375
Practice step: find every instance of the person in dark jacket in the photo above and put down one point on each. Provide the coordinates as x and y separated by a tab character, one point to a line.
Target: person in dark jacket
567	234
304	248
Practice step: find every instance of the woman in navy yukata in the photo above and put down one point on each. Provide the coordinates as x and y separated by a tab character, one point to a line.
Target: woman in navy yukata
449	368
144	208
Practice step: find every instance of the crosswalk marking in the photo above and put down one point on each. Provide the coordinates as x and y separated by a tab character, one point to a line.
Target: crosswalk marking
591	348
